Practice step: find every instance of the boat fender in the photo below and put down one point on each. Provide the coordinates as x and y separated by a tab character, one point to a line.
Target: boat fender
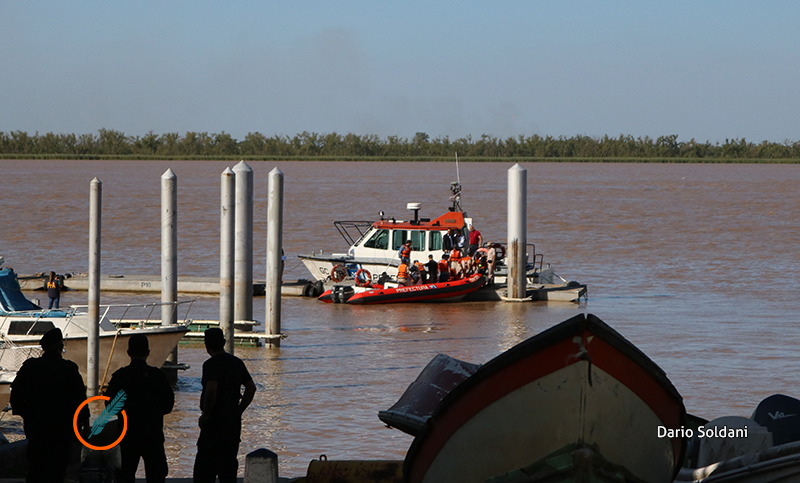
318	288
307	290
338	273
363	277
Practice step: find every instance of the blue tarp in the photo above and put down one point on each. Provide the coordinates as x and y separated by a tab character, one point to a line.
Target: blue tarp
11	297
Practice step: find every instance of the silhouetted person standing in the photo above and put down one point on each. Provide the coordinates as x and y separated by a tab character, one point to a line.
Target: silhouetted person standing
222	404
45	393
149	398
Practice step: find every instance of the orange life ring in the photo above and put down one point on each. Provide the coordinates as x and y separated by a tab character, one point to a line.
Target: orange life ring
338	273
367	277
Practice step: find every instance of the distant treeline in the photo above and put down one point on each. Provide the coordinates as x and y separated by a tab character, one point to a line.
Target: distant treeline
115	144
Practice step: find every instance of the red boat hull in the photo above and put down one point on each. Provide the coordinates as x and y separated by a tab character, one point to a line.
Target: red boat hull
430	292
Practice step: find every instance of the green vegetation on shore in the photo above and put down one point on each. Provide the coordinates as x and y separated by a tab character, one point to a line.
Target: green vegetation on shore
111	144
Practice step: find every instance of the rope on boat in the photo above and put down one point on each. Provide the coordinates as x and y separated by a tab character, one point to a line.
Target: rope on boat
108	364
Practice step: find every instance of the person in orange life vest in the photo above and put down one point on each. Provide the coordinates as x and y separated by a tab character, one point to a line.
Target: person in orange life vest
405	252
444	269
402	274
423	276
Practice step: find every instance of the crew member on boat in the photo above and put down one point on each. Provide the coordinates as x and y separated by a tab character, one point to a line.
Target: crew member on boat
402	274
432	269
405	252
423	276
475	240
491	258
444	269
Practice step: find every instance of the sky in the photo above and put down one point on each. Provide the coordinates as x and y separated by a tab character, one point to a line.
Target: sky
704	69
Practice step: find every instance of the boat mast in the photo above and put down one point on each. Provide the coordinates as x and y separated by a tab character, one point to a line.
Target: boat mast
455	188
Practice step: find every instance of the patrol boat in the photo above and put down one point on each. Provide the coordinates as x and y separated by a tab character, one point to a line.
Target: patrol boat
374	246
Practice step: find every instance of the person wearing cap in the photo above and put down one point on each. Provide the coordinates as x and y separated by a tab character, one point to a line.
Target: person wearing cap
405	252
222	404
45	393
149	397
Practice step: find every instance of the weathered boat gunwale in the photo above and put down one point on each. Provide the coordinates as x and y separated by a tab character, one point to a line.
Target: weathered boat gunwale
493	381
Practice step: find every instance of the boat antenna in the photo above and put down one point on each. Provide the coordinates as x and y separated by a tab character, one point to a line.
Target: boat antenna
458	176
455	188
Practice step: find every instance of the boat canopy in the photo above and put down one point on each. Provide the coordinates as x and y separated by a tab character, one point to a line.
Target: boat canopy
11	297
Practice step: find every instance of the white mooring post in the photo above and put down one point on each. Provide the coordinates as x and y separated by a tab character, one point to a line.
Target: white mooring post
517	231
93	337
227	224
243	257
274	256
169	252
169	247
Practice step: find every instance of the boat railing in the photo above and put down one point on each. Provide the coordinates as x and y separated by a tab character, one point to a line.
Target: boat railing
362	227
122	321
13	355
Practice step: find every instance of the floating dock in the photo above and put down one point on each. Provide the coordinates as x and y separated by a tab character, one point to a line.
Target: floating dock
152	284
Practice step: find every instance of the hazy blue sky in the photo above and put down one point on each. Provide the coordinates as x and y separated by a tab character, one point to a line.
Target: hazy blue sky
704	69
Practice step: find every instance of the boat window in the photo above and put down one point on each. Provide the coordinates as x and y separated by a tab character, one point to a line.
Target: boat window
435	241
379	240
398	238
417	240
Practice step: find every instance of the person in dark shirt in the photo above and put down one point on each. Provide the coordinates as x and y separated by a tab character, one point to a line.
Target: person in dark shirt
222	404
54	286
149	398
433	269
45	393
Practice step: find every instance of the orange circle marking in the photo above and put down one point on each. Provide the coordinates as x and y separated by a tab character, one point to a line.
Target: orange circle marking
78	434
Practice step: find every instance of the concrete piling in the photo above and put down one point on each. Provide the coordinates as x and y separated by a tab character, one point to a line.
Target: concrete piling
274	257
243	256
517	231
227	228
93	336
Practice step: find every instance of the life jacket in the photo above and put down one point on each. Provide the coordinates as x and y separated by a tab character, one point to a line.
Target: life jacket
444	266
402	271
405	251
420	267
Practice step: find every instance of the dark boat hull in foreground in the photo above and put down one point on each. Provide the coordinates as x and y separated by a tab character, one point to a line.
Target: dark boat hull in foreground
577	385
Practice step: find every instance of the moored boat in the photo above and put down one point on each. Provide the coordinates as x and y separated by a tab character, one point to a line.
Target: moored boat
390	293
577	386
373	246
23	323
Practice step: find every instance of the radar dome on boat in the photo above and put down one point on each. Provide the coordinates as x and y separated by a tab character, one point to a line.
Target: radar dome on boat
414	206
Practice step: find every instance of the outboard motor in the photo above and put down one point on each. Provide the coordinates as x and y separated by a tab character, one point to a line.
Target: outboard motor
781	416
341	293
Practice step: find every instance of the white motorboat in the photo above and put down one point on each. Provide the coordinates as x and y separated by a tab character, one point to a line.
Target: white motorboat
23	323
374	246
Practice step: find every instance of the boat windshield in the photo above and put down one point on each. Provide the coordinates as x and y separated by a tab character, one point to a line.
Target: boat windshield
417	238
379	240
